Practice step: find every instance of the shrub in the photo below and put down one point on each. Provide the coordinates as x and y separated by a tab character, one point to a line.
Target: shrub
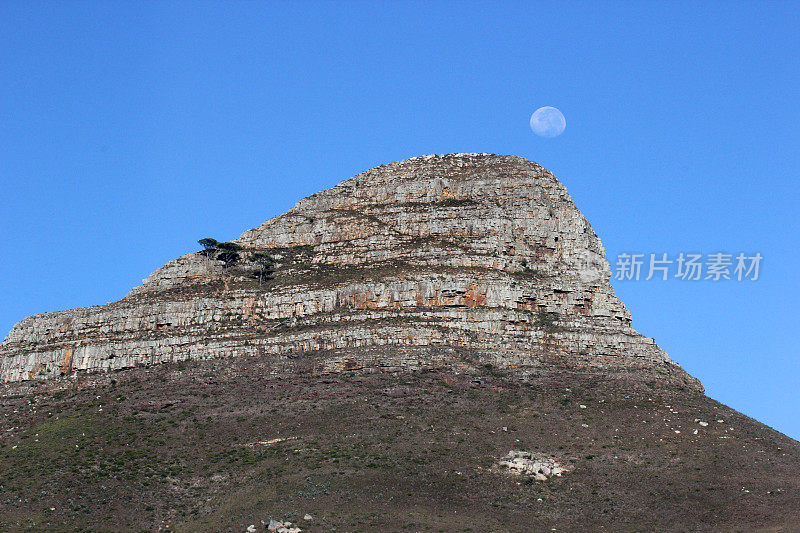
547	321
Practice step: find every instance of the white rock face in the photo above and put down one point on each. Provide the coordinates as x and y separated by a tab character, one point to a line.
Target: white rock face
282	527
457	260
524	463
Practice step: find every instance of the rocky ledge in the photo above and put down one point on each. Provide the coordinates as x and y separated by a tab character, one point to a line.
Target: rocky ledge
455	261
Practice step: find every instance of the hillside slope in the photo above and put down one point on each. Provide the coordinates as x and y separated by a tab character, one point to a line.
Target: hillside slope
220	445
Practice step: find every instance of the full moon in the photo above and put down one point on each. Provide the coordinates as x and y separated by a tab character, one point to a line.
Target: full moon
548	122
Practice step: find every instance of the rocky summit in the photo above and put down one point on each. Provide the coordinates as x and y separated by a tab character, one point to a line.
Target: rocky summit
454	261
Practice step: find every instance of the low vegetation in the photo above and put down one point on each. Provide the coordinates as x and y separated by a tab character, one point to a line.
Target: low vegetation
219	445
548	321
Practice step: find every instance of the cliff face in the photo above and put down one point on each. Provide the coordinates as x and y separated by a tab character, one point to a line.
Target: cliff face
457	261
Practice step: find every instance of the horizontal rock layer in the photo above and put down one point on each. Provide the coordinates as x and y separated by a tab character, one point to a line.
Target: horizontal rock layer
456	260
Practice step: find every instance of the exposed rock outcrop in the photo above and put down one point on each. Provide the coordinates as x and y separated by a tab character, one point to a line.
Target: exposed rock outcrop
521	463
456	260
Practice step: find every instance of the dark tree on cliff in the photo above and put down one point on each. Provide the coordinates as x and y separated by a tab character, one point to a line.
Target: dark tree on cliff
208	245
229	253
265	264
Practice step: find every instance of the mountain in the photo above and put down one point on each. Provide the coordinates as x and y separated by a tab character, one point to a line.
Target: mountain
431	345
449	261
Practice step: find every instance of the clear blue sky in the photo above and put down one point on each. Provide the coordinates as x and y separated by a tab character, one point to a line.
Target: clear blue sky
130	130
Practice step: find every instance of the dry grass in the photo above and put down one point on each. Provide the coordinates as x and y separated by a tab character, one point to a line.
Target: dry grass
173	448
